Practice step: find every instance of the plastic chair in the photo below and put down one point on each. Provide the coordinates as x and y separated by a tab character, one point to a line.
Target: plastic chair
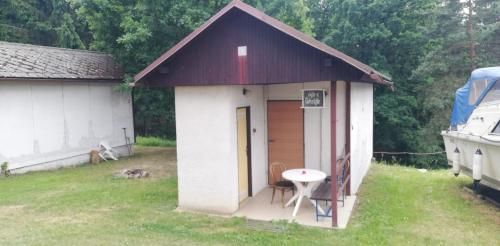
106	152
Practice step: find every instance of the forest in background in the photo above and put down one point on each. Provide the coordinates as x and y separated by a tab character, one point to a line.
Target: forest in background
428	47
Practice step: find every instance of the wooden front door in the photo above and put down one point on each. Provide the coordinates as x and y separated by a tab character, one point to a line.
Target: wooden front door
285	131
243	139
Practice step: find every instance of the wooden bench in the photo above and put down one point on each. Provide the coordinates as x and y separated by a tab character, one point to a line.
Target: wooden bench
322	193
324	190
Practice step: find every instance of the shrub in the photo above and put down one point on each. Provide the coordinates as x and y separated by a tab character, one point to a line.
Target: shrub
5	168
155	141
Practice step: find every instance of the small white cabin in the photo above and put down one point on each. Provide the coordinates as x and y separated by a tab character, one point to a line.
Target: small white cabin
56	105
239	81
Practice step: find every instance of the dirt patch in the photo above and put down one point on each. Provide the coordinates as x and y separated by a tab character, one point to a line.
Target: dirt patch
11	210
160	162
135	173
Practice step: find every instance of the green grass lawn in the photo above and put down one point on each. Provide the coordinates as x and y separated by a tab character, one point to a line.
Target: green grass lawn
154	142
87	206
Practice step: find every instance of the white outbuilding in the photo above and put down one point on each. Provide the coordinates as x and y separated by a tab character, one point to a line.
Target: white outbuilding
251	91
56	105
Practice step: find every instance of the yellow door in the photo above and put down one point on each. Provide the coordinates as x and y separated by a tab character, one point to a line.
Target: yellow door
241	114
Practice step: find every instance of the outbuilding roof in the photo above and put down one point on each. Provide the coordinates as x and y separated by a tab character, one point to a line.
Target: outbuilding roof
42	62
371	74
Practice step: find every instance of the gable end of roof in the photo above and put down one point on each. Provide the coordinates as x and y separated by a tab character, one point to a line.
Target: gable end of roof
370	73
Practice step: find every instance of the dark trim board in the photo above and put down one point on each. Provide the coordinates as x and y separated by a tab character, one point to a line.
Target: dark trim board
249	152
348	131
249	149
132	93
61	80
333	149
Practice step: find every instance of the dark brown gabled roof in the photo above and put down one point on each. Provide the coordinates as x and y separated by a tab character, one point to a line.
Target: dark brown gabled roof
371	74
41	62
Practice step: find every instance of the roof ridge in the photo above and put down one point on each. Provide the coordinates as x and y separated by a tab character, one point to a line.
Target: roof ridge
55	48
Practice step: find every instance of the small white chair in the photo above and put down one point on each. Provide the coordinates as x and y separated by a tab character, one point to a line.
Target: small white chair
106	152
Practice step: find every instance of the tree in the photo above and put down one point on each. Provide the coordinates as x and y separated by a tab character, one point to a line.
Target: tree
389	36
43	22
136	33
69	33
25	21
487	26
321	13
446	66
294	13
422	44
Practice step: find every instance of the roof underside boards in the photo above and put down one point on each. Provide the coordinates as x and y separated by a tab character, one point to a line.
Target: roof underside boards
41	62
276	53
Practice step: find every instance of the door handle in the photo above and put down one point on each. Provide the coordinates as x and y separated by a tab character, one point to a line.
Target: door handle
271	140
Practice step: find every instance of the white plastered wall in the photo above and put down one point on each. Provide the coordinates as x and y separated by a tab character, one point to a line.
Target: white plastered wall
206	138
341	118
46	125
206	145
206	176
361	132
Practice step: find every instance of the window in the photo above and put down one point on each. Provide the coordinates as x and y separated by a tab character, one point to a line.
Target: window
494	94
496	129
476	90
242	51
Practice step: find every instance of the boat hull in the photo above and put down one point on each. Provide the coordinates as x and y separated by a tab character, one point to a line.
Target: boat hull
467	145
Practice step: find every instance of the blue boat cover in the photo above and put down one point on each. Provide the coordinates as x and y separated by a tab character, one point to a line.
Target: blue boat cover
462	108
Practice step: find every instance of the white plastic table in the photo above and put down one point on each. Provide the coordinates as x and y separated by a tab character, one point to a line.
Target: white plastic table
304	179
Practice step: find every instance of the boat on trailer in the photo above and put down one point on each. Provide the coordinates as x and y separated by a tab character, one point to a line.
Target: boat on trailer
472	141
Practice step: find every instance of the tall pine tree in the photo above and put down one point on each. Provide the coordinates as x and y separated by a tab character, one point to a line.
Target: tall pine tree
43	22
447	64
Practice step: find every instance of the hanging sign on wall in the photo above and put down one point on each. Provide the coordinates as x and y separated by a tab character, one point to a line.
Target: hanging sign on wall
313	98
